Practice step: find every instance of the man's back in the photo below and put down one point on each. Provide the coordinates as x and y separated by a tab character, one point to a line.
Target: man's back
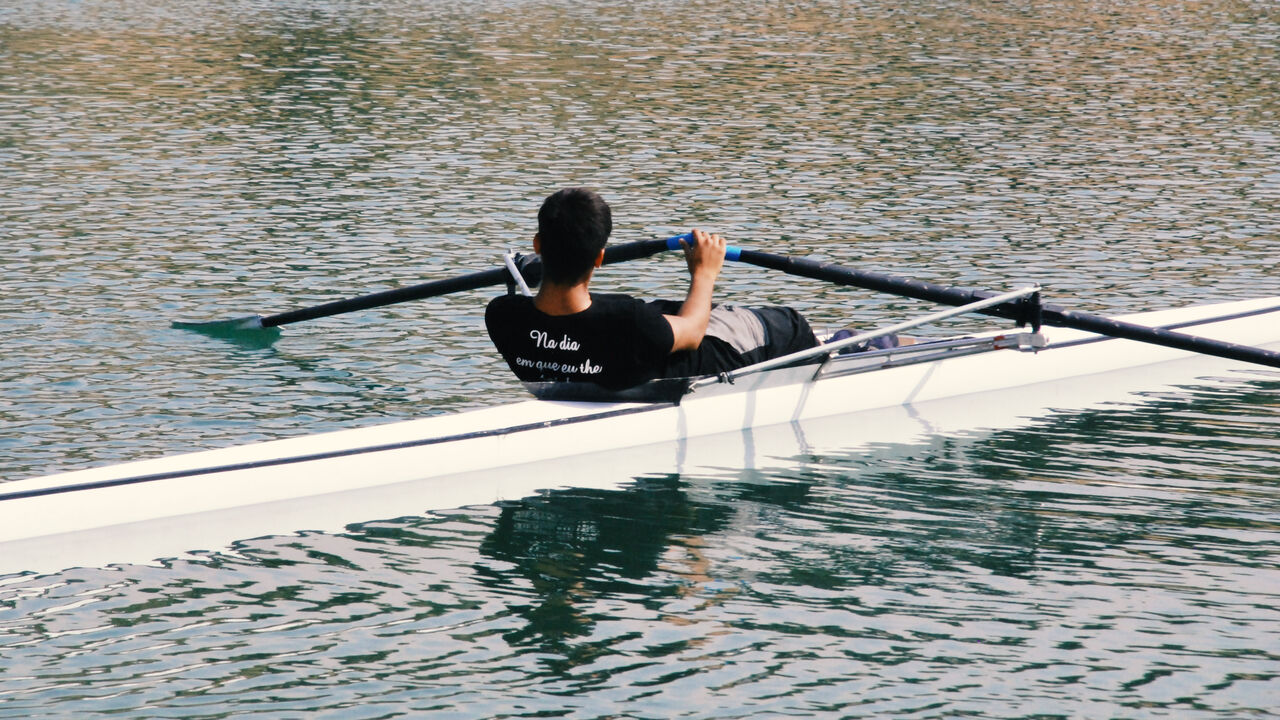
617	342
620	341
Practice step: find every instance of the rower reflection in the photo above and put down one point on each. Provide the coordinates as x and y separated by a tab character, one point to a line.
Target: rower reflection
573	545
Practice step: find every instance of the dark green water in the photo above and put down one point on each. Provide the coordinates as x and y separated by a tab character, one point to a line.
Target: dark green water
166	160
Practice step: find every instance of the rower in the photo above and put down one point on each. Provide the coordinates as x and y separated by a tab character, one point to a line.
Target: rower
567	333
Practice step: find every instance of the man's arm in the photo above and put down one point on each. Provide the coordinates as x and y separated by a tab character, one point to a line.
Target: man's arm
705	258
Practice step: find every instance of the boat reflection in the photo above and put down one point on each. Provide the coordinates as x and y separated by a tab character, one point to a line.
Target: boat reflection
1005	506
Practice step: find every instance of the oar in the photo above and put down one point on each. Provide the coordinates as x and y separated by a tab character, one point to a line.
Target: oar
532	273
1031	312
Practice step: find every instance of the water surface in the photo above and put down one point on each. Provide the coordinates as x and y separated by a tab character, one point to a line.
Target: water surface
180	160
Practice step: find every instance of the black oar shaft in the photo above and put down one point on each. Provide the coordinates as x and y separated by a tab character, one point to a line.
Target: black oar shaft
485	278
433	288
1048	314
1060	317
841	275
634	250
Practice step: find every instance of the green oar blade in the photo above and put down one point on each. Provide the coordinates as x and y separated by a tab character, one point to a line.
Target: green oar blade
246	331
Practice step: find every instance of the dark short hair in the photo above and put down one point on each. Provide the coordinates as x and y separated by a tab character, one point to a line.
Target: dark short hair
574	224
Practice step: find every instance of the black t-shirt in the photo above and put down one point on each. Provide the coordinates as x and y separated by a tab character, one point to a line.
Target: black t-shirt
618	342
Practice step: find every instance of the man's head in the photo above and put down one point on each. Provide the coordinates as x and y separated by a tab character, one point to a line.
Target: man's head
573	227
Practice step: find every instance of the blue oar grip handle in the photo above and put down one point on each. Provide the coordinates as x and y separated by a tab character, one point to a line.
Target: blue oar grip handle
731	252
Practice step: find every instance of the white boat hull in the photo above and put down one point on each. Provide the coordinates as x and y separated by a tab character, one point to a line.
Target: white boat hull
326	481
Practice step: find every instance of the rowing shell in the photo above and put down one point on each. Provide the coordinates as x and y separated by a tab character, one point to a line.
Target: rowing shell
206	500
